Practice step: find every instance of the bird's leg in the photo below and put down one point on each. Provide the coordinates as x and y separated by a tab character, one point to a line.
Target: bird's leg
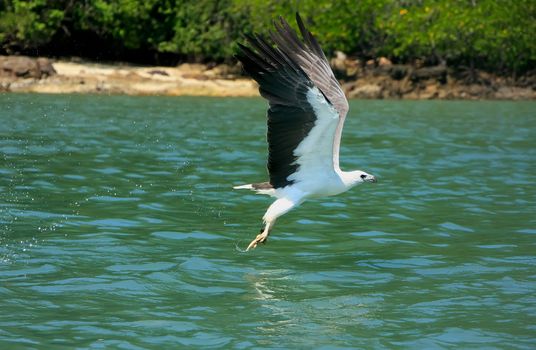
261	237
276	209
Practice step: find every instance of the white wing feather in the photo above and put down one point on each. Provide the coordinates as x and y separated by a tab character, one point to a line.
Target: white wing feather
315	153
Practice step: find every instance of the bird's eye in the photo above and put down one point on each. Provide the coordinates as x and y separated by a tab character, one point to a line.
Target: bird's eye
363	176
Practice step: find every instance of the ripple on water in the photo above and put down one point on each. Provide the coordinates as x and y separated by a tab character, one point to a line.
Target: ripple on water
85	285
455	227
185	235
74	177
400	216
528	231
113	223
118	230
369	234
145	267
114	199
108	171
43	269
153	206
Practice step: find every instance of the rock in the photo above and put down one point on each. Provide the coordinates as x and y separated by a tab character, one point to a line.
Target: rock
340	55
20	66
431	91
158	72
444	94
383	65
438	72
353	68
477	90
338	64
484	78
380	80
515	93
384	61
368	91
347	87
345	68
528	80
46	67
398	71
26	67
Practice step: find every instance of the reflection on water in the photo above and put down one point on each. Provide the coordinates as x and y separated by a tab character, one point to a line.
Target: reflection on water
119	228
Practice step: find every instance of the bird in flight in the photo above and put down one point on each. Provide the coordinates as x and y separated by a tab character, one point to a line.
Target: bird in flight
306	113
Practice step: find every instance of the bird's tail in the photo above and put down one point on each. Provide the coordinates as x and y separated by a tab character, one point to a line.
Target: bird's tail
244	187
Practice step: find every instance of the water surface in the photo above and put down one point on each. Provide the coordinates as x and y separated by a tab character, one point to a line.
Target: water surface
119	228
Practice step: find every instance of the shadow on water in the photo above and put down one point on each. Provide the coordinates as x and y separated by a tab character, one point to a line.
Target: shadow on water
120	228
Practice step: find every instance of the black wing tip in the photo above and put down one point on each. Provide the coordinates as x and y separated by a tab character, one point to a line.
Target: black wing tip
282	26
300	23
298	18
279	23
252	37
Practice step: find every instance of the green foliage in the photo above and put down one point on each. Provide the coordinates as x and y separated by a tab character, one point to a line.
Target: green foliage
133	23
28	23
205	29
489	34
344	25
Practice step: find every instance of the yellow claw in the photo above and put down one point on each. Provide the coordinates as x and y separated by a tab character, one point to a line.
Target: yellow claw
261	238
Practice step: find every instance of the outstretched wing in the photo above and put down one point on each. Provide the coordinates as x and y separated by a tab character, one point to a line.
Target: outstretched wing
302	121
310	57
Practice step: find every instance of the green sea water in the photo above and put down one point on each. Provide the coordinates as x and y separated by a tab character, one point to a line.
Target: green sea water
119	228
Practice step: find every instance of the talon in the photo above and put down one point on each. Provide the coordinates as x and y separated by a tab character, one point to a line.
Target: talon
261	238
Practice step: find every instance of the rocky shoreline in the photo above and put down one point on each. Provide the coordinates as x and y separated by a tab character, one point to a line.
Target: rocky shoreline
374	79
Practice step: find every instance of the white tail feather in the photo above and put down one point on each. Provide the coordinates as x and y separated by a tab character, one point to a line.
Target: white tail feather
243	187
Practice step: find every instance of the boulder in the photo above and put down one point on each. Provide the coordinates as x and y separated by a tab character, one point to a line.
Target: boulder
338	60
368	91
431	91
338	64
384	62
438	73
528	80
21	67
353	68
515	93
26	67
345	68
46	67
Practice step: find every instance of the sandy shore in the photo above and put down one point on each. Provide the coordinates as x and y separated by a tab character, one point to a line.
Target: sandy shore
24	74
184	80
187	79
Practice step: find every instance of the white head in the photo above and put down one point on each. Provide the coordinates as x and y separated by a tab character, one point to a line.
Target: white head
358	177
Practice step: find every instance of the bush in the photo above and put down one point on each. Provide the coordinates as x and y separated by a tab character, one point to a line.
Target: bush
488	34
28	24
